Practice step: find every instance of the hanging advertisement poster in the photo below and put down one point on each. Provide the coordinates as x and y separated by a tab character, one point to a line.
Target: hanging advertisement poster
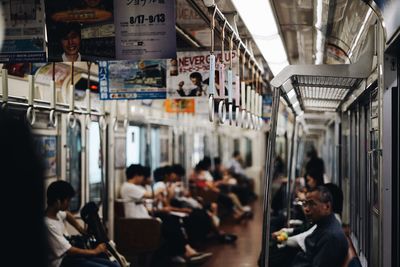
24	39
145	29
189	73
80	30
179	105
144	79
267	107
46	147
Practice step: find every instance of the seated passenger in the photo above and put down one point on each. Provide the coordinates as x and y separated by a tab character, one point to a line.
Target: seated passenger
327	246
133	193
62	253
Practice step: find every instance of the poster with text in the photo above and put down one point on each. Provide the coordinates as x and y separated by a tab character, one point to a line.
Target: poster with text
143	79
267	107
188	74
46	147
24	39
145	29
179	105
80	30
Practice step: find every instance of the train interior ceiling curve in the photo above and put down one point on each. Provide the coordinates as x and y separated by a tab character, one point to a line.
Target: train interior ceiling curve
320	74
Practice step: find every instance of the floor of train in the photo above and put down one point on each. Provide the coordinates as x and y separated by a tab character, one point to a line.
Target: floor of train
246	250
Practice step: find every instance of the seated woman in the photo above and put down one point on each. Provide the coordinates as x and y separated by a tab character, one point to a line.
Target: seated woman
62	253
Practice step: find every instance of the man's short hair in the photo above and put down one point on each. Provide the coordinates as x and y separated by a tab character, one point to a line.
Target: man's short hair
196	75
134	170
59	190
325	195
66	28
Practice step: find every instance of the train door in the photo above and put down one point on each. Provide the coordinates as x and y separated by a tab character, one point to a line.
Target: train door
73	160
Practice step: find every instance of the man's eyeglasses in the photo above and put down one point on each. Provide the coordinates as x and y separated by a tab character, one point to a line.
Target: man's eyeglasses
310	203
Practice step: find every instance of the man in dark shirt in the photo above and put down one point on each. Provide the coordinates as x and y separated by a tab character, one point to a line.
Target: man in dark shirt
327	246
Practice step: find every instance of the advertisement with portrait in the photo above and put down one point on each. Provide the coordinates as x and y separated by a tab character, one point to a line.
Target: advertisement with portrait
143	79
24	39
80	30
189	73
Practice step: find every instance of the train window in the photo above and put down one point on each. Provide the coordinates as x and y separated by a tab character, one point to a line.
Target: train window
155	148
236	144
133	145
74	166
198	148
207	146
164	146
248	156
95	181
182	145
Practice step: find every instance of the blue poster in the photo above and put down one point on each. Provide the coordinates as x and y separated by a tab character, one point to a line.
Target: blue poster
145	29
46	147
24	39
267	107
143	79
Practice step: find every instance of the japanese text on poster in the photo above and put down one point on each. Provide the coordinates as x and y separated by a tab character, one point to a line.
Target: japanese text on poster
144	79
188	74
145	29
24	39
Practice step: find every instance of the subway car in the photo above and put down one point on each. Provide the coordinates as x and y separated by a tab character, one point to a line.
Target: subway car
200	132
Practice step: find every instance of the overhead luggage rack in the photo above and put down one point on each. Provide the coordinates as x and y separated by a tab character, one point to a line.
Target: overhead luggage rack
322	93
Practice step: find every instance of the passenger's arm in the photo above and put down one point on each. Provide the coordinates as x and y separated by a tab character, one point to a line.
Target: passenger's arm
71	220
89	252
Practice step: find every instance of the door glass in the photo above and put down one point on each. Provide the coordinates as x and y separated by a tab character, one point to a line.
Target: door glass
74	166
133	145
95	181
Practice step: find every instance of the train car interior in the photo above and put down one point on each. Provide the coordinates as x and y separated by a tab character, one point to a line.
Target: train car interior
267	137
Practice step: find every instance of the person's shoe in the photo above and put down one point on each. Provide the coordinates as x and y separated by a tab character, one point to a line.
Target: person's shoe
199	257
227	238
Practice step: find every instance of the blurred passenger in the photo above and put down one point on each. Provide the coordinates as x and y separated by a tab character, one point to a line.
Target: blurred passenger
177	246
22	182
314	162
62	253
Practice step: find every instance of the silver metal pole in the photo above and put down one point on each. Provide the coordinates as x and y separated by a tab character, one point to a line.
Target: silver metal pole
269	166
291	168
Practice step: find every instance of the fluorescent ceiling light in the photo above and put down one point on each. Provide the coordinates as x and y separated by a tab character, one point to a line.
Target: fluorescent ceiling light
260	21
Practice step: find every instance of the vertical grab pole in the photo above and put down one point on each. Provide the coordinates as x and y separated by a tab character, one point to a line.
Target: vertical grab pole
221	69
88	98
291	167
211	85
237	87
4	80
269	163
230	81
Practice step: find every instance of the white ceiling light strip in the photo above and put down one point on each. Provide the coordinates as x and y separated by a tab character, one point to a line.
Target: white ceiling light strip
260	21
